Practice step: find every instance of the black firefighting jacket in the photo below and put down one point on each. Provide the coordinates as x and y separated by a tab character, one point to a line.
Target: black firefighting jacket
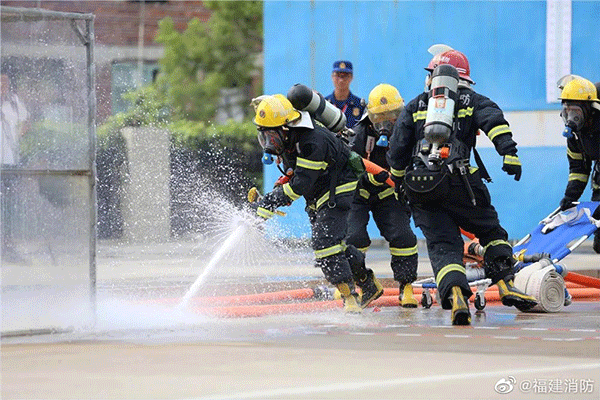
317	156
582	150
364	132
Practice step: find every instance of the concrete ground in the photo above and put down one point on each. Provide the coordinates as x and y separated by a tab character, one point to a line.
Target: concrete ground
140	349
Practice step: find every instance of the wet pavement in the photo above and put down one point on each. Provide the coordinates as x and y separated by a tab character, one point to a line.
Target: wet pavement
385	353
144	346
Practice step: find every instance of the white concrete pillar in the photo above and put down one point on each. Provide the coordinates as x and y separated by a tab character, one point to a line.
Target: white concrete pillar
146	198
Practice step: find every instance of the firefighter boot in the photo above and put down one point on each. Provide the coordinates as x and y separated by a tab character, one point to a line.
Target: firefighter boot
511	296
407	297
370	287
350	298
460	307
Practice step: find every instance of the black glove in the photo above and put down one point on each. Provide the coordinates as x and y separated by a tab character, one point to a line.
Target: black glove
512	166
566	203
400	195
397	183
267	205
382	176
370	181
399	191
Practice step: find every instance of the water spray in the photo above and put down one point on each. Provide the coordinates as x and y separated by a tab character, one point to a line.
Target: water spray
241	226
228	244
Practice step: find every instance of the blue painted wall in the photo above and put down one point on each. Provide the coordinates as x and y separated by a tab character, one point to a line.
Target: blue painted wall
387	41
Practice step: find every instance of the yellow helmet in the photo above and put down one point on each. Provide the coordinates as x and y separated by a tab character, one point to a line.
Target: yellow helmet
579	89
274	111
385	103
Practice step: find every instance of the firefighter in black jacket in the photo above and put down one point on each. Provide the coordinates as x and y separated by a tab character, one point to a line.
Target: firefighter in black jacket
323	176
374	195
429	156
581	114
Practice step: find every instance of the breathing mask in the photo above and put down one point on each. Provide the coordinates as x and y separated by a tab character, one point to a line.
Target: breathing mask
383	123
272	140
573	115
383	130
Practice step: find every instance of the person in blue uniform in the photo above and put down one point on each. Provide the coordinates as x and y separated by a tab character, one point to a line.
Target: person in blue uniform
352	106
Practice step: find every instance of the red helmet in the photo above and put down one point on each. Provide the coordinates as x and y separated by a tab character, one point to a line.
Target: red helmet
455	58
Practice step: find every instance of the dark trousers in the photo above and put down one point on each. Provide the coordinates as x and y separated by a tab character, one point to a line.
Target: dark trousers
340	263
393	221
441	222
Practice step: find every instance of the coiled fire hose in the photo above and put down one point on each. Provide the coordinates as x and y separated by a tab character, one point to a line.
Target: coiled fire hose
542	281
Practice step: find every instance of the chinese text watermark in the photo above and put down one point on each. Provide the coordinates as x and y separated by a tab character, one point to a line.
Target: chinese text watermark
546	386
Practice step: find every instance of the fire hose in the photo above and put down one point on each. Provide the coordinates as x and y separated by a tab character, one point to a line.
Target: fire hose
319	298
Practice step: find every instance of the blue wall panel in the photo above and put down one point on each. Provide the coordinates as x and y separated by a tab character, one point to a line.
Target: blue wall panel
387	41
585	54
521	205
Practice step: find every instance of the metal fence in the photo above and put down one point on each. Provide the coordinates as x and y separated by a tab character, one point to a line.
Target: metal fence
48	149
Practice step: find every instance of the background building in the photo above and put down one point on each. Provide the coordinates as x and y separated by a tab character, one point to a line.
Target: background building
126	55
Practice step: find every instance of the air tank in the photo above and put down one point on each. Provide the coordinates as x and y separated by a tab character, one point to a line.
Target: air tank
305	99
440	107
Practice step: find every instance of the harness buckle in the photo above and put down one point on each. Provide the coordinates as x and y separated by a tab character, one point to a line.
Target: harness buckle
462	166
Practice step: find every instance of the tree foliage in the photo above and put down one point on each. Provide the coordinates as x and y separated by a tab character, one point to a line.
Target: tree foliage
196	65
207	57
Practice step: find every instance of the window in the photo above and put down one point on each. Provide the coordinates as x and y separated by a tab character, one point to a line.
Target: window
125	79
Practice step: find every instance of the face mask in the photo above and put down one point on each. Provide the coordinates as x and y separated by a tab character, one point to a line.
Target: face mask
271	140
384	127
573	116
383	130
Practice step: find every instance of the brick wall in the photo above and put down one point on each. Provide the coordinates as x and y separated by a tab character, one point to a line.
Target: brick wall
117	21
117	27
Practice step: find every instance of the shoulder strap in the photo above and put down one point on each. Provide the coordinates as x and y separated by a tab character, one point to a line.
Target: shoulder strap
482	169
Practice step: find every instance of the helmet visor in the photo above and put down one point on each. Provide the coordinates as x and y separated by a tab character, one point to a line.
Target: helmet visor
271	140
391	115
573	116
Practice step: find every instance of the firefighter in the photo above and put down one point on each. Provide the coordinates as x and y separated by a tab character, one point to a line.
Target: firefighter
320	172
352	106
429	158
581	114
377	197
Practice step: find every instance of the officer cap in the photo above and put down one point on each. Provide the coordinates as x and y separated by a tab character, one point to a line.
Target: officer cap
342	66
